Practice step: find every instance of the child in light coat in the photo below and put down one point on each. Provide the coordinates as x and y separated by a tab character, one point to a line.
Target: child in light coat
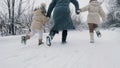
37	26
95	11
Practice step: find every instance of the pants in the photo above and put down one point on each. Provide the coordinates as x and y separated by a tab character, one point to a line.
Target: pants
92	27
64	34
0	27
34	31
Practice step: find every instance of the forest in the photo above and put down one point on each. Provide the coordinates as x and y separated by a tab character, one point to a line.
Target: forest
16	16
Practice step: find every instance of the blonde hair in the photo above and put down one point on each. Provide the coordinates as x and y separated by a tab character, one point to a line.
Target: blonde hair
43	8
43	5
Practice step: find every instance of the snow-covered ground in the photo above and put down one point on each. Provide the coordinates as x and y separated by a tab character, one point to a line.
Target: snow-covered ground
77	53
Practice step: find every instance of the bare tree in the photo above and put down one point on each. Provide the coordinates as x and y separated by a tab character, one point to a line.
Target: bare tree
9	7
12	20
19	8
16	14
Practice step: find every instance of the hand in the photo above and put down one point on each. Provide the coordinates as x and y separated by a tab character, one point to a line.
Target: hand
78	11
47	16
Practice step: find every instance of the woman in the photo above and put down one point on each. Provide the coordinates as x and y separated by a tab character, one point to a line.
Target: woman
94	12
61	17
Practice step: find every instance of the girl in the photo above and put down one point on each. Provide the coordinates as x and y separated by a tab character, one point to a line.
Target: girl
39	19
95	11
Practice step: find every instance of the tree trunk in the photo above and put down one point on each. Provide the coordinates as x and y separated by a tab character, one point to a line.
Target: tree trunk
19	9
12	25
9	8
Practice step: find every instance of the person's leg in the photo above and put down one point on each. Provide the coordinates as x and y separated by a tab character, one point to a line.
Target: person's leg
32	33
64	36
50	37
91	31
97	30
52	33
40	33
25	38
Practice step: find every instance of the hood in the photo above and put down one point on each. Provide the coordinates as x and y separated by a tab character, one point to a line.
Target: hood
95	3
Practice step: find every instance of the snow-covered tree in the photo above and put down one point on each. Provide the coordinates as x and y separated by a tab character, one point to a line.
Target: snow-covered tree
114	13
16	14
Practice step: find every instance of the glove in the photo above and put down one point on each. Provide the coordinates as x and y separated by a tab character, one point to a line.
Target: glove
77	11
47	15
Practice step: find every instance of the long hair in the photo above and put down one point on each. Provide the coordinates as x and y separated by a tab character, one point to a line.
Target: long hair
92	0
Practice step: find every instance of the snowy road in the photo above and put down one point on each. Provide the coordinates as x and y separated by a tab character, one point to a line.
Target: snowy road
77	53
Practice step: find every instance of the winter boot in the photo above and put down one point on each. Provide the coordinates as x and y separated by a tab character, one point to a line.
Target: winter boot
50	37
24	39
91	37
48	40
40	42
98	34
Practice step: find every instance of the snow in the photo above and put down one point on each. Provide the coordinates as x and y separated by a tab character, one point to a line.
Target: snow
77	53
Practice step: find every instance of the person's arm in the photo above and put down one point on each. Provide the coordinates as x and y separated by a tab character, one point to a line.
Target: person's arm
51	6
102	14
76	4
84	9
45	19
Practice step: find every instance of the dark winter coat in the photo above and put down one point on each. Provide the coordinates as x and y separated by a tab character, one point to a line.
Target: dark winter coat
61	14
